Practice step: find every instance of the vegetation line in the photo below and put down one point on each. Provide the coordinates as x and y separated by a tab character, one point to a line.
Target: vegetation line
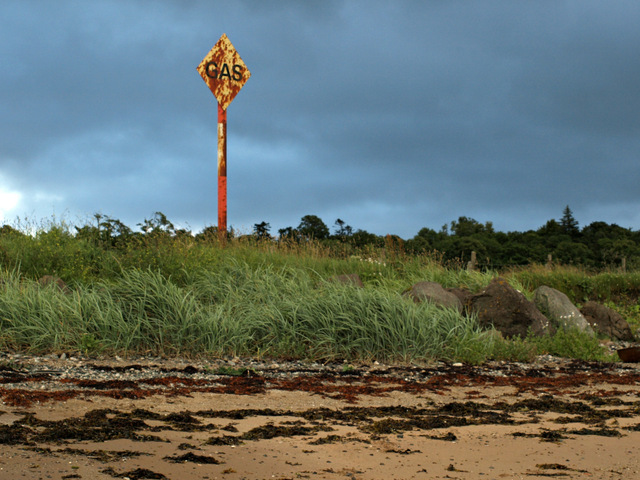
168	292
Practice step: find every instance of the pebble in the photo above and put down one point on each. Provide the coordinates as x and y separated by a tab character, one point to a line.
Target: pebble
18	365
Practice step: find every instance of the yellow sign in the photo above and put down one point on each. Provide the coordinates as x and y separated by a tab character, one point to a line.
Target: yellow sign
224	71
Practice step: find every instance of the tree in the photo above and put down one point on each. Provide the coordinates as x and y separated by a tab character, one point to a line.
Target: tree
426	239
312	226
109	232
523	248
342	230
288	233
261	230
609	244
468	226
212	234
575	253
552	234
568	223
159	224
362	238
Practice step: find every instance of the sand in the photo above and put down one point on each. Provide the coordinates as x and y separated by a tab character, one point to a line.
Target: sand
578	423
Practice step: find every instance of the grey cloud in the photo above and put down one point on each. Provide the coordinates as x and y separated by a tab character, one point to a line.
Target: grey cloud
399	114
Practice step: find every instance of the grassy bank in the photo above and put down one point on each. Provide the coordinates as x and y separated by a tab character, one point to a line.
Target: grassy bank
172	295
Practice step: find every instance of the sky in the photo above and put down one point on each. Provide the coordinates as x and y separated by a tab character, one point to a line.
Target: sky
389	115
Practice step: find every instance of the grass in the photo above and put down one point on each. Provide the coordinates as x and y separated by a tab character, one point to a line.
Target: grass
171	296
235	310
581	285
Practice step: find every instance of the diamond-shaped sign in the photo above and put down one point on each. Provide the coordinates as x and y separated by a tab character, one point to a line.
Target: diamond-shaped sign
224	71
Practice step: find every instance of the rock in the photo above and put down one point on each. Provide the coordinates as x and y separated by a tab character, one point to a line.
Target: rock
557	307
434	293
505	308
348	279
462	293
606	321
52	280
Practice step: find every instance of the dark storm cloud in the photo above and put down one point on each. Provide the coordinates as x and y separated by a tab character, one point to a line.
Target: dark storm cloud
390	115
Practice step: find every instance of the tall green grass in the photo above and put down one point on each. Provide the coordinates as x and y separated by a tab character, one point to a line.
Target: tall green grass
581	285
180	295
235	310
241	310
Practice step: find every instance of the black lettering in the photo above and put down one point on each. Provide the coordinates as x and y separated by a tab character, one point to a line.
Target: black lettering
224	72
212	70
237	72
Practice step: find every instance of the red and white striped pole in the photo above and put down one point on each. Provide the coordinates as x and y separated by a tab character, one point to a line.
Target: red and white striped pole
222	171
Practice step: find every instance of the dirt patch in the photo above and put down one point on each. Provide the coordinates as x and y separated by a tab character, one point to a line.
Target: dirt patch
167	420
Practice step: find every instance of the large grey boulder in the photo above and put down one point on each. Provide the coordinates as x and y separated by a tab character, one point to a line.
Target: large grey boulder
434	293
508	310
557	307
607	321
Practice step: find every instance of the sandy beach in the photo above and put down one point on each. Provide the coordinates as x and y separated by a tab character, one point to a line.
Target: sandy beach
183	420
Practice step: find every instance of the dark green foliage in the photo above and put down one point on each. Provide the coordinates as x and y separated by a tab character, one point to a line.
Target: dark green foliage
569	224
105	246
466	227
343	231
362	239
261	230
167	291
288	233
598	245
158	225
312	226
107	233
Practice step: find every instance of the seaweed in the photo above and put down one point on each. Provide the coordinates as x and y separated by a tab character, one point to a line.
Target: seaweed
192	457
406	451
545	435
390	425
328	439
447	437
337	439
104	456
603	432
137	474
224	440
242	381
15	434
268	431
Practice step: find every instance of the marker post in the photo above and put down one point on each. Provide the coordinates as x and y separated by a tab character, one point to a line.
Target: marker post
225	74
222	170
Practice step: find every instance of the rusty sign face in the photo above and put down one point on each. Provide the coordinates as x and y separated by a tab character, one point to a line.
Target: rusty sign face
224	71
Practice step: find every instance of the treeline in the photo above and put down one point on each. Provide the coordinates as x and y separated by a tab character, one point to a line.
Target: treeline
597	245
